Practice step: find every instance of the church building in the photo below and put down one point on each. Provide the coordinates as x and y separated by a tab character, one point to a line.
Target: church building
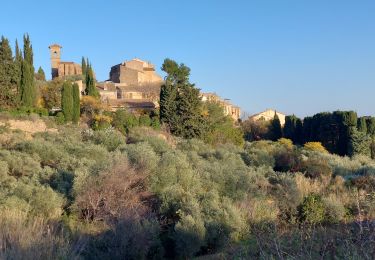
60	68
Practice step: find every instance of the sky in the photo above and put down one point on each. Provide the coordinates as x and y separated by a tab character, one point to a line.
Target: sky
296	56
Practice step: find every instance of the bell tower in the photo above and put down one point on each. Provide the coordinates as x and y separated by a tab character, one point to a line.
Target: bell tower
55	51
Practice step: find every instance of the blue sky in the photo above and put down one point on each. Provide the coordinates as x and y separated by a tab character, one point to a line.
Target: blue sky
297	56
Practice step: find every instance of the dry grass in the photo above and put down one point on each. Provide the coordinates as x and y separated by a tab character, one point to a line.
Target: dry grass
307	186
22	237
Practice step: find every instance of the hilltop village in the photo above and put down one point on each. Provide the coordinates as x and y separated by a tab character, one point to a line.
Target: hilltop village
132	84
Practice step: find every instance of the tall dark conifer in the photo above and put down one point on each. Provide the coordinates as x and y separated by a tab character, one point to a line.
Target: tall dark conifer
370	125
8	75
90	83
84	67
275	128
67	101
18	68
28	89
361	125
76	103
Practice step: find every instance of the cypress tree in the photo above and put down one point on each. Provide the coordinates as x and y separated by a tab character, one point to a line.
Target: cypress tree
275	128
18	68
298	139
76	103
361	125
67	101
28	90
8	75
370	125
83	66
290	127
90	83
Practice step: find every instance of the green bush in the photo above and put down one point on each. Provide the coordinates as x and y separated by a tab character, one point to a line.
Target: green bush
109	138
312	209
60	118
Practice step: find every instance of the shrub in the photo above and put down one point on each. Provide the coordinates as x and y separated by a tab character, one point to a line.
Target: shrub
258	158
311	210
286	142
285	192
317	168
124	121
189	236
315	146
20	164
142	156
23	237
101	122
109	138
334	209
260	210
60	118
286	160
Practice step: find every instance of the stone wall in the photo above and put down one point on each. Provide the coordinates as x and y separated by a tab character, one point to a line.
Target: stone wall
69	69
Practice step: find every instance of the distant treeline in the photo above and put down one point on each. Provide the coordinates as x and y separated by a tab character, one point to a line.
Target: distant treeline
341	132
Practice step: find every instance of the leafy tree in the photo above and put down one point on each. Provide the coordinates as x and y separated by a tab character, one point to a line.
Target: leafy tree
220	128
255	130
28	90
180	102
67	101
275	128
8	75
51	94
76	103
40	75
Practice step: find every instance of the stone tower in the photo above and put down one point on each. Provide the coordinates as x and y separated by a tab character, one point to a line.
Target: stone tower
55	51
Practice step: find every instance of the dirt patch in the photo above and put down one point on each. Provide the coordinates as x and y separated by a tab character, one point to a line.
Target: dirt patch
28	126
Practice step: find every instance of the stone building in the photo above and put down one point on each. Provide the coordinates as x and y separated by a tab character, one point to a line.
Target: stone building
229	109
135	72
60	68
132	84
268	115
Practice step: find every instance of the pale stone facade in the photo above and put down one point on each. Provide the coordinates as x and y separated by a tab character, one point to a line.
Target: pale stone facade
229	109
135	72
62	68
133	84
268	115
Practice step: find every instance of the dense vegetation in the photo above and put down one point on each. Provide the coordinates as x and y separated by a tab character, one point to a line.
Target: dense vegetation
179	182
340	132
98	194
